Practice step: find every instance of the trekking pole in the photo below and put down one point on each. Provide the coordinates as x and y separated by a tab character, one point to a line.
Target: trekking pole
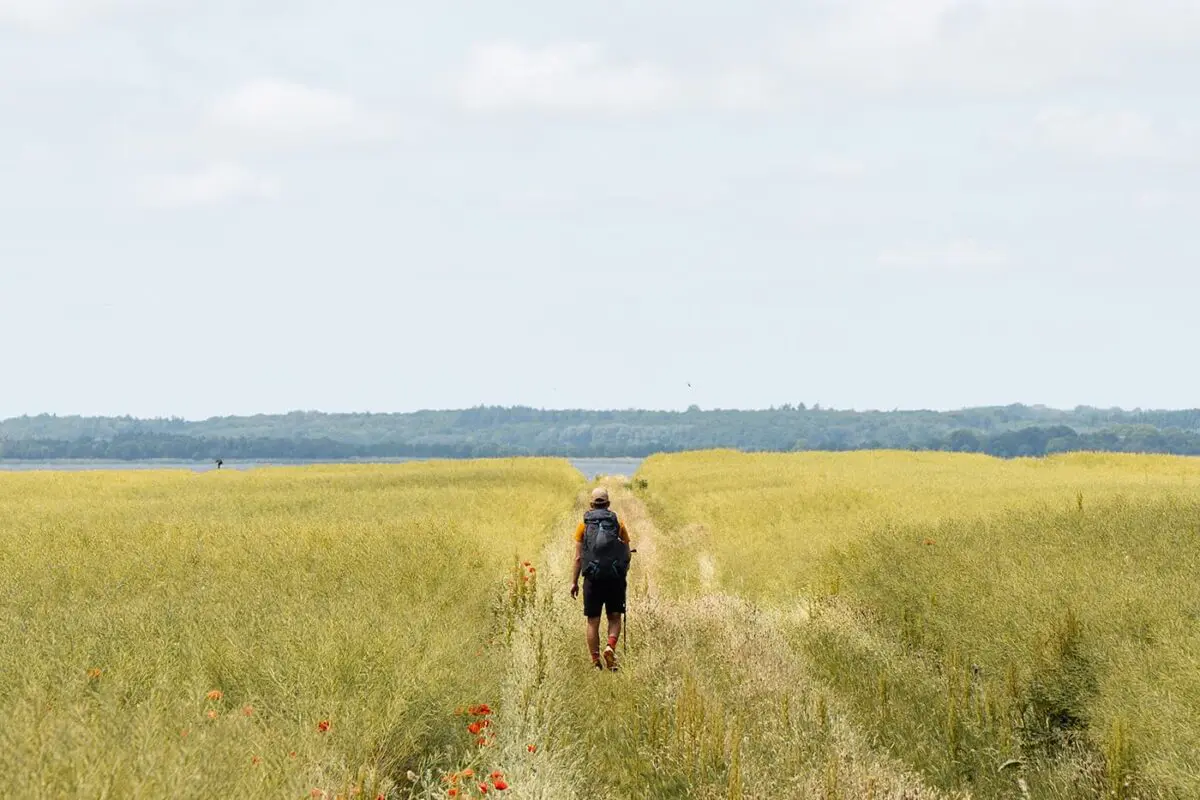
625	617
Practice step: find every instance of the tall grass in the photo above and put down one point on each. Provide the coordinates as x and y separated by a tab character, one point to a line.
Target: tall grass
255	634
1017	628
711	701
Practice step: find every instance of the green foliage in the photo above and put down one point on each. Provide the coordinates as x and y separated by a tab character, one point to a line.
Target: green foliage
1008	431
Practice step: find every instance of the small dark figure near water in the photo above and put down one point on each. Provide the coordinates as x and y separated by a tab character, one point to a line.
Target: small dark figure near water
219	463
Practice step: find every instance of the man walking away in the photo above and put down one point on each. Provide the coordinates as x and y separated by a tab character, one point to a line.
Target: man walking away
602	557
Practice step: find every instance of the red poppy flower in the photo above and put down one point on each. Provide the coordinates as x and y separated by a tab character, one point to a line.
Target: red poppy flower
256	761
453	793
323	725
475	727
468	773
531	748
483	788
94	673
500	785
247	711
481	741
215	694
496	775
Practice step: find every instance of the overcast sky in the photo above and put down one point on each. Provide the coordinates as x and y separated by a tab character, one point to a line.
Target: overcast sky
222	206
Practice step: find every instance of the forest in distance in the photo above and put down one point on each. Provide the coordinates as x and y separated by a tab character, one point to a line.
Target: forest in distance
1010	431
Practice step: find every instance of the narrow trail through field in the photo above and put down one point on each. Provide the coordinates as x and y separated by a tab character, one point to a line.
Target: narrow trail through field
696	668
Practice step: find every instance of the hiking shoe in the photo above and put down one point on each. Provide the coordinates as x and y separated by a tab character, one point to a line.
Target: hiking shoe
610	658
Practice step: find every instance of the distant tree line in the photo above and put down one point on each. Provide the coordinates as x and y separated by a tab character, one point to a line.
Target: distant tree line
1005	431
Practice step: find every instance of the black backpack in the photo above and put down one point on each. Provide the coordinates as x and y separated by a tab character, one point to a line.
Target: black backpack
604	554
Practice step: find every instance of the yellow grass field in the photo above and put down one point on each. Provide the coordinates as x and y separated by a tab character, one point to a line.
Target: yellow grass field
274	633
892	626
1021	628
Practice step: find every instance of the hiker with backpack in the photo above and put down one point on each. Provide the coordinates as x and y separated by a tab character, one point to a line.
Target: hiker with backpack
602	557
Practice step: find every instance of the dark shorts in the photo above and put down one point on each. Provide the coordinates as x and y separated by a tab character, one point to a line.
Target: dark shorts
609	593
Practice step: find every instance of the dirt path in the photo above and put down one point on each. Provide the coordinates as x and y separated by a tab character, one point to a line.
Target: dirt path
696	665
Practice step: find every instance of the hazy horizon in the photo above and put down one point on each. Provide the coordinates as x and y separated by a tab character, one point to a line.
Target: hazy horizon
776	406
215	208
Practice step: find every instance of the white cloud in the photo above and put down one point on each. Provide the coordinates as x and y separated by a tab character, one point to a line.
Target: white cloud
986	45
838	167
568	77
58	16
281	112
1109	136
46	15
1153	200
957	255
217	183
747	89
1119	134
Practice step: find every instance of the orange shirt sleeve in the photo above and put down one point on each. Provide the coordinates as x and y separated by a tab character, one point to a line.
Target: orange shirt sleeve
624	533
579	532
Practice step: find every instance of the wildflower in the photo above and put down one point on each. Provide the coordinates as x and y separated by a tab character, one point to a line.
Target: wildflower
482	741
412	776
292	754
256	761
496	775
212	714
929	542
475	727
184	733
533	569
452	793
468	773
316	792
247	711
323	725
525	563
531	748
215	694
500	784
94	673
483	788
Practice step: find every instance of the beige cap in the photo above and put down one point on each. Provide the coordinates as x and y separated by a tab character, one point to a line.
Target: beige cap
600	496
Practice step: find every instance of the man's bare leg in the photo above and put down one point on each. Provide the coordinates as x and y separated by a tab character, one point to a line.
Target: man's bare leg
614	626
593	638
614	633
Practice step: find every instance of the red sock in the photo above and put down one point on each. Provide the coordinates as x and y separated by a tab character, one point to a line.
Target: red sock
595	658
612	642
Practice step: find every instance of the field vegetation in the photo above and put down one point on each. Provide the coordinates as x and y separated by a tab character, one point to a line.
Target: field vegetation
879	625
1008	628
275	633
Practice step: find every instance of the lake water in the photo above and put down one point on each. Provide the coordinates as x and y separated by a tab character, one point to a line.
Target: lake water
590	467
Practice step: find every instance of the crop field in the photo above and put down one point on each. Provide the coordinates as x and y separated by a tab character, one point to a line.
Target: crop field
275	633
886	625
1021	628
